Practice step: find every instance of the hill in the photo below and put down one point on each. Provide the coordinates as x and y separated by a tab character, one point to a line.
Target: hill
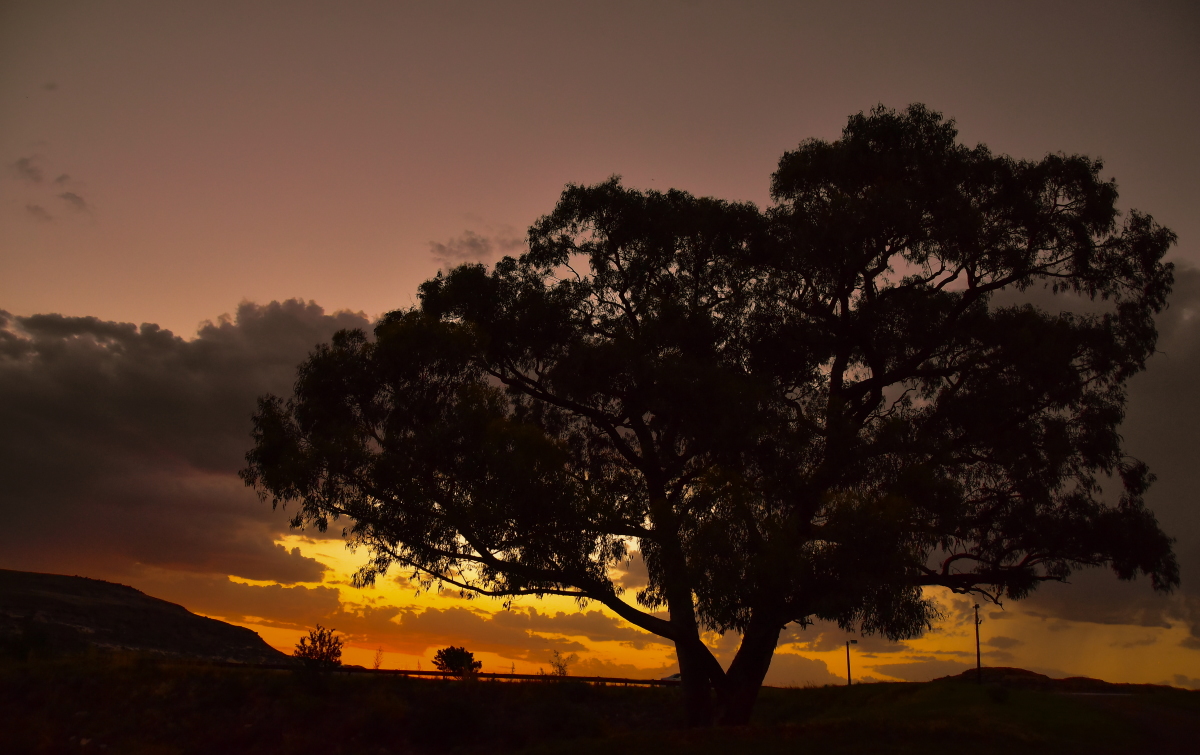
55	613
1019	678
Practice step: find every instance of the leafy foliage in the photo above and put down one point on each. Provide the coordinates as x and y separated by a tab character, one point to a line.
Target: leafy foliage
559	663
320	648
458	661
813	411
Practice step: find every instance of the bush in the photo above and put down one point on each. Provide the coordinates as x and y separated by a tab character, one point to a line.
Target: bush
560	662
457	661
320	648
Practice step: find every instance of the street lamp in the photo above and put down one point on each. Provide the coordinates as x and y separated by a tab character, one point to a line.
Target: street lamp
848	644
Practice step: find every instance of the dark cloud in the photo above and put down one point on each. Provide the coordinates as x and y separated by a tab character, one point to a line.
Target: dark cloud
38	212
792	670
520	633
509	634
403	580
76	202
27	169
1004	643
1138	643
120	444
594	625
211	595
38	195
634	575
472	247
822	636
1162	428
922	669
600	667
1179	680
1096	596
50	86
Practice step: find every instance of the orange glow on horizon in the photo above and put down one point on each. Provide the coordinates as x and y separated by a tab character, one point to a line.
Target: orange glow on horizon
1118	653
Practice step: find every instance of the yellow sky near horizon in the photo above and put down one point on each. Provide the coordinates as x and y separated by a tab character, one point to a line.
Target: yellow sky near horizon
1010	635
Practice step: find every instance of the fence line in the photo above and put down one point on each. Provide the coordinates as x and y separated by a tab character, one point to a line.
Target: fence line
477	675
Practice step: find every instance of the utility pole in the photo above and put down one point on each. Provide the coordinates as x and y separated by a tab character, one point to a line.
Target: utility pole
848	644
978	664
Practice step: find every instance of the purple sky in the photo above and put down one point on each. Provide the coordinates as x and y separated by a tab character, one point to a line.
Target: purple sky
221	151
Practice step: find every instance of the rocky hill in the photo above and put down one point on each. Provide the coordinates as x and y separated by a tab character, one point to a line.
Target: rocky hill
55	613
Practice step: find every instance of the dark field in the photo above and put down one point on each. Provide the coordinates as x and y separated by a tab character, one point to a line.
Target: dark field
100	702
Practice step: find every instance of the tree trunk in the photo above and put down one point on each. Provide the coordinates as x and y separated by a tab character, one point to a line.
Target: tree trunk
697	666
695	682
698	669
738	692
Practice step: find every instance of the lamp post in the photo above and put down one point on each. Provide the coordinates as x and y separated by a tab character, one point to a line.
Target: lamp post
848	644
978	664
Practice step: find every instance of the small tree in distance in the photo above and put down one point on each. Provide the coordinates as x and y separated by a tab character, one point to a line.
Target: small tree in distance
320	648
560	662
458	661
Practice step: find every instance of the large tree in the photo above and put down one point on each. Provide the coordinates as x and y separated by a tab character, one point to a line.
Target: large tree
809	412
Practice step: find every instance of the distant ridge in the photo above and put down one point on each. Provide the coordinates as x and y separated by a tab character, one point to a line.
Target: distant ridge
73	612
1021	679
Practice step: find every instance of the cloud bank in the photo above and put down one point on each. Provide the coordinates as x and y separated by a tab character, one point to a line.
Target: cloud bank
120	444
1162	428
473	247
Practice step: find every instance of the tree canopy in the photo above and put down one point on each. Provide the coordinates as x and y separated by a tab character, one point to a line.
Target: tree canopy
811	411
320	649
458	661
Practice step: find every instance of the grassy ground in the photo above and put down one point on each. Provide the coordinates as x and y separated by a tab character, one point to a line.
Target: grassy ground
938	716
129	704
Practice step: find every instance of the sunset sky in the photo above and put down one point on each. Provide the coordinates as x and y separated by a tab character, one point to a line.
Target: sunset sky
253	176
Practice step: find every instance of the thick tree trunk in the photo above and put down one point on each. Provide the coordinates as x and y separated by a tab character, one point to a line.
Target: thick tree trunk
698	669
696	685
738	692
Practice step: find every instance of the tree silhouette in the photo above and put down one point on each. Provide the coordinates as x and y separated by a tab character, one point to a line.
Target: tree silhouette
559	663
320	648
809	412
458	661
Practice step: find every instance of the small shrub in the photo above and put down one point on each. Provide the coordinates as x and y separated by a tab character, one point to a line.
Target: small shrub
560	662
457	661
320	648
